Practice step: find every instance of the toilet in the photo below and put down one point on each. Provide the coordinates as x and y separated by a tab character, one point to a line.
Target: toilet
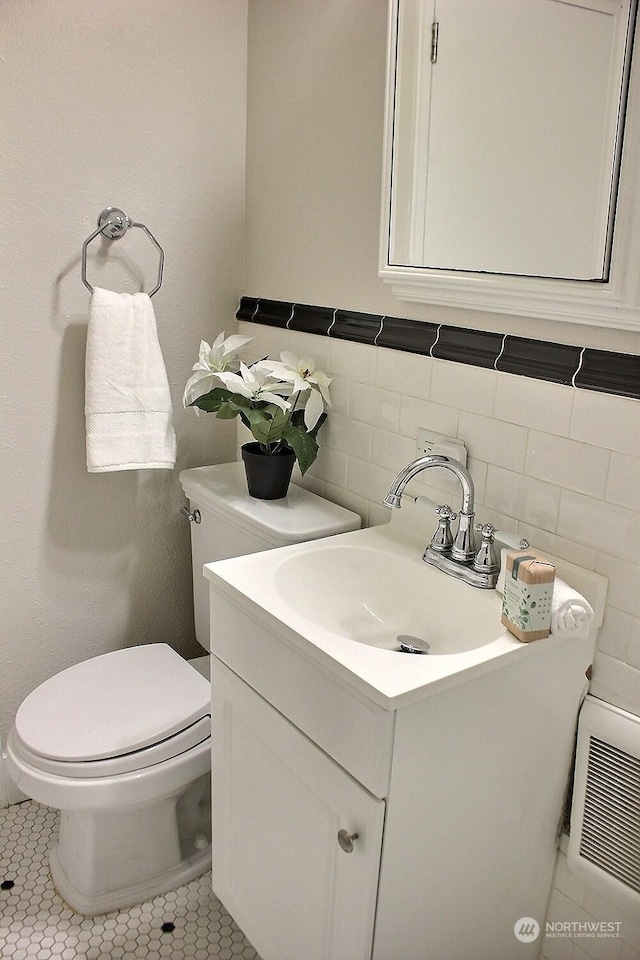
120	743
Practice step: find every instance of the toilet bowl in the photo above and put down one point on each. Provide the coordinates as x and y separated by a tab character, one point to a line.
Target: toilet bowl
120	743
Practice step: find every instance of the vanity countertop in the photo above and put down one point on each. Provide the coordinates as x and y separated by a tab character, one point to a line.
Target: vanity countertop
341	600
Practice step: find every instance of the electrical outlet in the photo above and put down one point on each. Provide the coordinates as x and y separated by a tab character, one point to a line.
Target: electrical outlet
427	440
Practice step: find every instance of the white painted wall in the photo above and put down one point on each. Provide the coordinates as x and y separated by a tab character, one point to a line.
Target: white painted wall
141	105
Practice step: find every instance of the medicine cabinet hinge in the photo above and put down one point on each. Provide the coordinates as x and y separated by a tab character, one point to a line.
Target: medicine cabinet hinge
434	41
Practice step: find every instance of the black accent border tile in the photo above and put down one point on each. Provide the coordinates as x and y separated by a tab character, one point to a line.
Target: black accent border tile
412	336
556	362
359	327
480	348
308	319
617	373
247	308
275	313
600	370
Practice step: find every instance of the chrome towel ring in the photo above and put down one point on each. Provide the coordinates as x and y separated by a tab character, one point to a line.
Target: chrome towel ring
113	224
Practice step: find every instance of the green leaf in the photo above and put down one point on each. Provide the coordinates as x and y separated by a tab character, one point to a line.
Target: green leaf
255	417
267	428
303	445
297	419
227	411
321	419
239	402
211	402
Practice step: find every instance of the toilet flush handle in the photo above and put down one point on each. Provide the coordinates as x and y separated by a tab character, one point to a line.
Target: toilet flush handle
194	517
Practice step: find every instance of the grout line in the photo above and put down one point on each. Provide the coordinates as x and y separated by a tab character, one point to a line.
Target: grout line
375	339
573	378
607	477
495	362
436	340
293	307
333	320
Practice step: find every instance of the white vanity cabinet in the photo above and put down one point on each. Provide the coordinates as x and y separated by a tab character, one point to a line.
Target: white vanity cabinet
451	770
470	810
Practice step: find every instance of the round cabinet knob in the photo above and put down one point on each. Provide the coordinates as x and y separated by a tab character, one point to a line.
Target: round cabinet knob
346	839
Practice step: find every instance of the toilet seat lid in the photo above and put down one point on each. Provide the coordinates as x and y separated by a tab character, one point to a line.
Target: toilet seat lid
113	704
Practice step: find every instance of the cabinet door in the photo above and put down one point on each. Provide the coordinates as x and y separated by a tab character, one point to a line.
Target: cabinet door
278	805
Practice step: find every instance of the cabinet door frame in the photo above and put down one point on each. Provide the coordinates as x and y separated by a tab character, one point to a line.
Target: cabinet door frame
278	803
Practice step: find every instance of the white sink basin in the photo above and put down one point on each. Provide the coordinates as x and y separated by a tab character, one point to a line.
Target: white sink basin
344	601
372	596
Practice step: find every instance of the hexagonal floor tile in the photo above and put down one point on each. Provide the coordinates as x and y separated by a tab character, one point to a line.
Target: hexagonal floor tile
35	922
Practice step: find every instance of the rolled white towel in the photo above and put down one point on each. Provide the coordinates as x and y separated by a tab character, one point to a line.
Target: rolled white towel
571	614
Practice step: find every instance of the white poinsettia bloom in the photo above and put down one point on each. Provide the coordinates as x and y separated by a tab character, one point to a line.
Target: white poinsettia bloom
254	384
313	409
220	356
300	372
304	377
197	385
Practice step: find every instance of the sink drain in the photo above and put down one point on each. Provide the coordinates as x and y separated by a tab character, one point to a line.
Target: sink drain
409	644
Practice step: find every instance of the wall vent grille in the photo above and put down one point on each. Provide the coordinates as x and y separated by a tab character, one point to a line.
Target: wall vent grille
604	841
610	836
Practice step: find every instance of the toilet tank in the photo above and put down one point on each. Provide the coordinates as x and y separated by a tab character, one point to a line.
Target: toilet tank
233	524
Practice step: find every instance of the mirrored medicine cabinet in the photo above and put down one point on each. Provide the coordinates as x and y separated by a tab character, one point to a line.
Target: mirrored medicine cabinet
512	158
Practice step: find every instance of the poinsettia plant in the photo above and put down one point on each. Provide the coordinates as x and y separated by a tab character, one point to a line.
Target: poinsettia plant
282	402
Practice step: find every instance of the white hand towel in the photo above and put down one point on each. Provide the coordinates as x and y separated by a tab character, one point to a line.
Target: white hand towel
571	614
128	410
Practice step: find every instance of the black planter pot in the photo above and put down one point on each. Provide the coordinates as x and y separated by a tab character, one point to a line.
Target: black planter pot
268	475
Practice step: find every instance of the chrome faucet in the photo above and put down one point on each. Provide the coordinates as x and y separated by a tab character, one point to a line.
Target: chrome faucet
459	556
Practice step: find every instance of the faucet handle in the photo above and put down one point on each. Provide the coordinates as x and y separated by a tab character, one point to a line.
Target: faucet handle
485	560
487	530
442	540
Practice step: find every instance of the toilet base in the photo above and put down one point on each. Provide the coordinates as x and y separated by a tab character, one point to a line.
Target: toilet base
90	905
110	859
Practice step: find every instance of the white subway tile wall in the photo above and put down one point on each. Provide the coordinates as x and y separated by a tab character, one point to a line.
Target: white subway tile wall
558	465
605	421
520	400
473	387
